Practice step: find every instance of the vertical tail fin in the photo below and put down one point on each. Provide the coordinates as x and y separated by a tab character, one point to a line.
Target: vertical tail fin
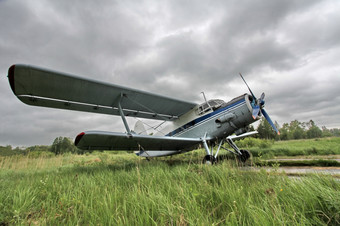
139	128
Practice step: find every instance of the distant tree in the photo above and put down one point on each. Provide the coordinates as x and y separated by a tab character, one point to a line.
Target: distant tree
56	146
265	130
284	132
313	131
41	148
297	130
8	151
335	132
63	145
326	132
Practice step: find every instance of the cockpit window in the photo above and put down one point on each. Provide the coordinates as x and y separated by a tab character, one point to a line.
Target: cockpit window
210	105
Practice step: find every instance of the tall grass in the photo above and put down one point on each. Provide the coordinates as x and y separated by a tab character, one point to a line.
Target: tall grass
109	189
267	148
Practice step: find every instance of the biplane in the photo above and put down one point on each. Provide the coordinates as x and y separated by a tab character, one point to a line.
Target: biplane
190	125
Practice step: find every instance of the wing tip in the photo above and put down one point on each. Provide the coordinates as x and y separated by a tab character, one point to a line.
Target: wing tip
11	77
78	138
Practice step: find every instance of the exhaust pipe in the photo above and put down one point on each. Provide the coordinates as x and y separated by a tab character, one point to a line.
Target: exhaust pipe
225	118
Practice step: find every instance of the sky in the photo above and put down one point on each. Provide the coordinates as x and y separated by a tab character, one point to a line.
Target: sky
289	50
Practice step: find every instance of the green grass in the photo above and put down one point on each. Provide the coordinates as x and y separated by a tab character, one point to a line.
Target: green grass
312	162
269	149
106	189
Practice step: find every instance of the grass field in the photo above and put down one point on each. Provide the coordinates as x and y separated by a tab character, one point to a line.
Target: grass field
269	149
121	189
312	152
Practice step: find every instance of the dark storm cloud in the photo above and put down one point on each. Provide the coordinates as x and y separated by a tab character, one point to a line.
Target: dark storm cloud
287	49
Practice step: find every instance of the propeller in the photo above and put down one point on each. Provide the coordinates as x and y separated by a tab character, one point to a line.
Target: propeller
258	106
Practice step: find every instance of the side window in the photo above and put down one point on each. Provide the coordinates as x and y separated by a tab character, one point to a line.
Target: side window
203	108
209	105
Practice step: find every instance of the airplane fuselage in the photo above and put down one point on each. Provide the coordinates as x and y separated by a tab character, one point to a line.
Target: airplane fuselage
213	122
237	115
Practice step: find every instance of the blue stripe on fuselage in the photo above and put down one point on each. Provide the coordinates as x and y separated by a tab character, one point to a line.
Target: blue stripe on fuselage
204	117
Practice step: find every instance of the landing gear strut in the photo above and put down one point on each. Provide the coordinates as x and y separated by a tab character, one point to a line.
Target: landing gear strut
210	158
242	155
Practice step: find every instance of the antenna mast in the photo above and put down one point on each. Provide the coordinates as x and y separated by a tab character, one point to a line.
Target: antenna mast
205	99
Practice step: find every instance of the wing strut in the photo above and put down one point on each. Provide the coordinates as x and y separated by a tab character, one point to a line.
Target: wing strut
123	116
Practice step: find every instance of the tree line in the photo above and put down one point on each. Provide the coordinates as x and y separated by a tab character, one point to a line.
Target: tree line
295	130
59	146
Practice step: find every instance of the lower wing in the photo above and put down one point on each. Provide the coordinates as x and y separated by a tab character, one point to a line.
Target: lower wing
98	140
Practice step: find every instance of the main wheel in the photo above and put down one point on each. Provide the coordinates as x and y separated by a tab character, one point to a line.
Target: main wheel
245	155
209	160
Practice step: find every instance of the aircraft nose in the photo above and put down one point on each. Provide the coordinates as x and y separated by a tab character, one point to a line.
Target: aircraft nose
258	107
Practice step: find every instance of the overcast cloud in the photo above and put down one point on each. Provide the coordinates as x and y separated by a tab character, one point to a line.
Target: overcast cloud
288	49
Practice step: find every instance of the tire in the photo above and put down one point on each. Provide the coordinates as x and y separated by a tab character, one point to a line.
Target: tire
209	160
245	155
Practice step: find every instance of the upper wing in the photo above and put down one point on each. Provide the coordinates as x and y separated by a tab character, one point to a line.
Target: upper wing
42	87
97	140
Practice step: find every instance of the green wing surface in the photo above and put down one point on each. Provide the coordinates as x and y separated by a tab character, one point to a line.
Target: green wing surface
46	88
98	140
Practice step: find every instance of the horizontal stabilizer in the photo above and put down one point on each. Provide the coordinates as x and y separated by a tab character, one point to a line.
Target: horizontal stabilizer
98	140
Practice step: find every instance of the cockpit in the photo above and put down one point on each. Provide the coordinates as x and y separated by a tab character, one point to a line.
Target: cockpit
210	105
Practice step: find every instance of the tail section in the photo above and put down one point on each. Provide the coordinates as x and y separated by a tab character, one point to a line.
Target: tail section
139	128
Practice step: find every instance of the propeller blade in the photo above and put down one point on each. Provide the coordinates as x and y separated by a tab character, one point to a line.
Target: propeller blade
262	96
248	87
258	106
270	121
261	100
